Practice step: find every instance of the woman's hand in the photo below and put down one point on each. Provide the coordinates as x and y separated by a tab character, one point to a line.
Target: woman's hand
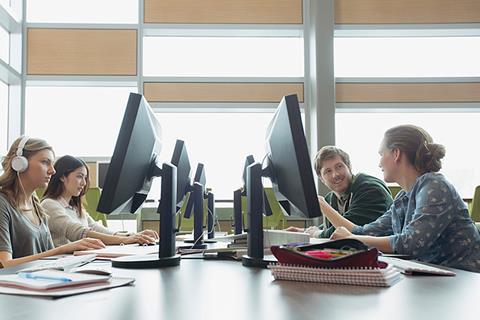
341	233
295	229
139	238
151	233
81	245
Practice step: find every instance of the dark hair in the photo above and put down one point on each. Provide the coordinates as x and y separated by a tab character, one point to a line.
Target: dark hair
418	146
63	167
327	153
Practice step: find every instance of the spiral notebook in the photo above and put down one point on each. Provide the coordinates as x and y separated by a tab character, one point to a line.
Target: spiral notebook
375	277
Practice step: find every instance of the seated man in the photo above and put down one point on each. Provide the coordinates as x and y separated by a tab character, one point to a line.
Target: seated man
360	198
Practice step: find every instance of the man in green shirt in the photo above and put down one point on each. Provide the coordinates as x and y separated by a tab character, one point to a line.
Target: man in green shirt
360	198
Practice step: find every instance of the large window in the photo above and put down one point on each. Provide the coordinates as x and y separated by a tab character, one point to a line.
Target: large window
4	45
220	141
3	117
5	3
407	57
81	121
360	134
223	56
82	11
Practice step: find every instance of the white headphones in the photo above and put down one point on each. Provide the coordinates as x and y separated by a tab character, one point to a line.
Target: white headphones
19	162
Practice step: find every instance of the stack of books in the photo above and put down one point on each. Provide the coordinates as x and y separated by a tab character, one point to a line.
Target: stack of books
376	277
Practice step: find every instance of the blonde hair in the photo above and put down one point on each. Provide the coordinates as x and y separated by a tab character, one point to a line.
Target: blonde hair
9	183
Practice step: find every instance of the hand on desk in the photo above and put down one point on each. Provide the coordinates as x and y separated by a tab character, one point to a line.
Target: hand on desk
139	238
341	233
313	231
150	233
81	245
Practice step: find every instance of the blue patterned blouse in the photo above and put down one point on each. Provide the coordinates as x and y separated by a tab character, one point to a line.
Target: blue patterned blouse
430	223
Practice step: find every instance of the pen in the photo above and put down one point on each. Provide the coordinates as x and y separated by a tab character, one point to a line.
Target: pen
29	275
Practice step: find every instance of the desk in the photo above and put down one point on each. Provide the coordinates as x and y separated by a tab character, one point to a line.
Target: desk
200	289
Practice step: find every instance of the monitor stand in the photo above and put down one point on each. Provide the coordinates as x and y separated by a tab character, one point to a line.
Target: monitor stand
255	207
211	217
198	214
167	256
237	212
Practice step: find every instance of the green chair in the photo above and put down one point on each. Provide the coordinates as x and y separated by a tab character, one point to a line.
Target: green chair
394	189
475	210
92	197
276	221
186	225
39	192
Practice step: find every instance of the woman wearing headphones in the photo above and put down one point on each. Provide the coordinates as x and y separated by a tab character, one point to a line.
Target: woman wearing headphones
68	220
24	233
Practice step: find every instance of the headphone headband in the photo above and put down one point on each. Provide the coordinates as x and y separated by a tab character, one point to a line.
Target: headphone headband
21	145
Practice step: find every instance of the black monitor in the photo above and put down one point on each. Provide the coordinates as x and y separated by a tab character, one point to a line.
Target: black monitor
238	223
133	163
181	161
287	164
127	182
195	203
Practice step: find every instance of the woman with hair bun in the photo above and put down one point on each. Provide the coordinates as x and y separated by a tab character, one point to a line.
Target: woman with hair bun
428	219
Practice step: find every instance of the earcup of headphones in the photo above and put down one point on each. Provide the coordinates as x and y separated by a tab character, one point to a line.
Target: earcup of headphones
19	164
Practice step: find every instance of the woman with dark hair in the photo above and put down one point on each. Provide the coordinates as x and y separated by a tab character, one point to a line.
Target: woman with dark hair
428	220
68	220
24	234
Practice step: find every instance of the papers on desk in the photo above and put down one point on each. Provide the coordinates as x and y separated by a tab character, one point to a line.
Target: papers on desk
48	279
110	252
54	283
411	267
270	238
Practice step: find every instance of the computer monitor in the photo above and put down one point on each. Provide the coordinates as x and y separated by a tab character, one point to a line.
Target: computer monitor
133	166
287	164
195	204
182	162
238	223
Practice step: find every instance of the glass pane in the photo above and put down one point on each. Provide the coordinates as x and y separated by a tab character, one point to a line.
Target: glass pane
4	45
360	134
81	121
3	118
220	141
223	56
407	57
83	11
5	3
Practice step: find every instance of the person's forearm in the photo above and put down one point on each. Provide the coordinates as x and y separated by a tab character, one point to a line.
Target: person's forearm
106	238
381	243
18	261
334	217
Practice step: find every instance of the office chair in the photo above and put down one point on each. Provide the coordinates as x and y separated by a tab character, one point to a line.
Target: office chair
91	201
394	190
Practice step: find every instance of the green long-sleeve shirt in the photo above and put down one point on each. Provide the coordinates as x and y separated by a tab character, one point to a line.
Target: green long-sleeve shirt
369	198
